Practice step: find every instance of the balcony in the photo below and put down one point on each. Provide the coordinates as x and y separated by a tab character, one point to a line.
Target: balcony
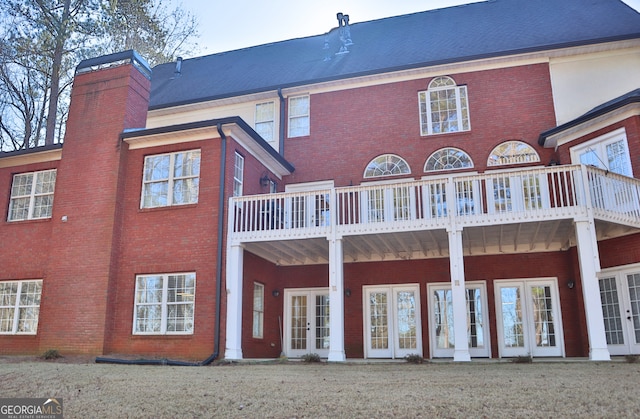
499	212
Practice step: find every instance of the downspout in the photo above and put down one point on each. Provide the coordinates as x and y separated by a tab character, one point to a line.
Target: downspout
216	337
221	207
281	131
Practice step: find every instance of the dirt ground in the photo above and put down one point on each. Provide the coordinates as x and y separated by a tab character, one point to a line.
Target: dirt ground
320	390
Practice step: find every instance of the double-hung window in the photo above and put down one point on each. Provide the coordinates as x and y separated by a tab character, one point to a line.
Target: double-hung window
32	195
443	107
171	179
238	175
258	310
20	306
265	120
164	304
299	116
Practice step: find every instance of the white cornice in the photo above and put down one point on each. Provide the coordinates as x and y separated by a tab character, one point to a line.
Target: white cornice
147	140
592	125
30	158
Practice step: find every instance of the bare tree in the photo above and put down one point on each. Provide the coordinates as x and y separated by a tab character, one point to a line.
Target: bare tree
43	40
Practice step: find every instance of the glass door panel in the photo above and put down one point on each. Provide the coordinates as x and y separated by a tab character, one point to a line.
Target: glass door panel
307	322
299	323
378	316
406	322
528	318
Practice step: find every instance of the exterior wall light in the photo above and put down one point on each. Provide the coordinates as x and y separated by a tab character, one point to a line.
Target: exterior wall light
571	283
275	293
347	292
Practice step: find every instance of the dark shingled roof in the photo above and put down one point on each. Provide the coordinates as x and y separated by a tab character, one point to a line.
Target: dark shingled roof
479	30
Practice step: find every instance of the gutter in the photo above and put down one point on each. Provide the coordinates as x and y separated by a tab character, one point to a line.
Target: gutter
281	130
216	334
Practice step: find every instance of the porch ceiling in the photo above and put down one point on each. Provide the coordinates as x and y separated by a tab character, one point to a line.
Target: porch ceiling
526	237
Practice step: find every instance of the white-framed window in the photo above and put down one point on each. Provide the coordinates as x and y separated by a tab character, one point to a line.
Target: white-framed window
20	306
444	107
512	152
387	165
258	310
32	195
238	175
171	179
609	152
164	304
299	116
265	120
448	158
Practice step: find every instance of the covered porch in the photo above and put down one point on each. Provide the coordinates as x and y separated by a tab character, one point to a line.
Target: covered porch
506	212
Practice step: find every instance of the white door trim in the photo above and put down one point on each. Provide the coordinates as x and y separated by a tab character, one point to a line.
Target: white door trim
529	347
310	293
434	352
393	351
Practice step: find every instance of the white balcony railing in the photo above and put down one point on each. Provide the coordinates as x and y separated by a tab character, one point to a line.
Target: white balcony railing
482	199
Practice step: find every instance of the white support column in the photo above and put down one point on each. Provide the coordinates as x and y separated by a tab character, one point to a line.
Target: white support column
336	301
233	346
458	295
589	260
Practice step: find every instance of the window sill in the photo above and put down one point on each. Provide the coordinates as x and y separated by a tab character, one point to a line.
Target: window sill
167	208
33	220
468	132
165	336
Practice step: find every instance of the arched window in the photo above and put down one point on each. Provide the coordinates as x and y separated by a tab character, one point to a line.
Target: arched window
443	107
512	152
387	165
448	159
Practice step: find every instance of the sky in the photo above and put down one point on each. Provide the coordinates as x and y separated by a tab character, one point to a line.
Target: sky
227	25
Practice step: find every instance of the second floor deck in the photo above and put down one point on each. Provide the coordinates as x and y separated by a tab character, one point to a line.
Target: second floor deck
502	211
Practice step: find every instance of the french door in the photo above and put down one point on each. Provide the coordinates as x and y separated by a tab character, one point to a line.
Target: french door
306	323
528	318
620	295
392	321
441	320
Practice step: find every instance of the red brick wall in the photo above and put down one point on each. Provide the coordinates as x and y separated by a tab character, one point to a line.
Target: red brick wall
351	127
175	239
25	251
73	310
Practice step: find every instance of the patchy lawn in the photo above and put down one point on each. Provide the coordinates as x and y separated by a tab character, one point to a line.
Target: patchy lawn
295	389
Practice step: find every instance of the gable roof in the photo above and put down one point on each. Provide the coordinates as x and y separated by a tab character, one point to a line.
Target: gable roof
603	109
479	30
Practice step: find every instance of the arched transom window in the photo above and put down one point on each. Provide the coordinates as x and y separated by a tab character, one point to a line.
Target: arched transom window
512	152
448	159
443	107
387	165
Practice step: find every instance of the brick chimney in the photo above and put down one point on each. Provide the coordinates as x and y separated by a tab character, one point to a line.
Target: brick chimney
110	94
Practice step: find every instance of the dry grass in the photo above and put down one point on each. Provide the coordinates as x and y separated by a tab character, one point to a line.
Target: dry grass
295	389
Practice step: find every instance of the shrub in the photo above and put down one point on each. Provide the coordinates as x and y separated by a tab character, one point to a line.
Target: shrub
414	359
309	358
523	359
51	354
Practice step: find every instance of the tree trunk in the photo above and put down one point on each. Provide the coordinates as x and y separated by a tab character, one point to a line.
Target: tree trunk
55	74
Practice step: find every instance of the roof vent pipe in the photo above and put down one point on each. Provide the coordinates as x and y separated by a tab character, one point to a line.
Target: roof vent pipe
178	69
345	33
